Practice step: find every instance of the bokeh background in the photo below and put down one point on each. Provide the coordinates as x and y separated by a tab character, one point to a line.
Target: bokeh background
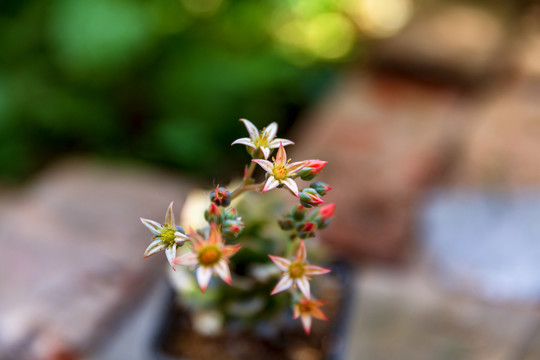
428	112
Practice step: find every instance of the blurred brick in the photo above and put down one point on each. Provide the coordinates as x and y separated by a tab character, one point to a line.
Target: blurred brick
455	43
385	140
71	260
502	149
404	314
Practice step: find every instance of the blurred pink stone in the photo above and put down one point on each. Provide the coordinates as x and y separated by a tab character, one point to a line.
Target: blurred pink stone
71	255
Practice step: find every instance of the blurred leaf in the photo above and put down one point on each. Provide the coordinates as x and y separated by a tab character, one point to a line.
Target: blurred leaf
98	35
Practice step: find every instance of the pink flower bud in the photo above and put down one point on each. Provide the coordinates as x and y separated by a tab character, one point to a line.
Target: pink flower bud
321	187
323	216
306	229
213	214
317	166
309	198
327	211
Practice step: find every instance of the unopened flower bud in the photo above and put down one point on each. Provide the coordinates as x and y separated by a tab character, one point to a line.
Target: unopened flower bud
232	228
287	223
323	216
221	196
298	212
230	214
320	187
313	168
213	214
305	174
309	198
306	229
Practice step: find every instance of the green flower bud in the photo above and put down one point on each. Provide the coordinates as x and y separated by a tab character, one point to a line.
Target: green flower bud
306	229
232	228
298	212
213	214
309	198
286	223
320	187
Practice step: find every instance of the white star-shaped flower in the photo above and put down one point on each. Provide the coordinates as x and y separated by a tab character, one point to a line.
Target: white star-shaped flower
264	140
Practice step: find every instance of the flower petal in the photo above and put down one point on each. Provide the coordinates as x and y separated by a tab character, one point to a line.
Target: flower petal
265	164
252	130
266	151
274	144
313	270
244	141
152	225
301	253
153	244
291	185
170	252
188	259
306	322
169	216
270	131
294	167
203	277
317	313
282	263
283	284
214	237
229	250
303	285
180	237
153	249
296	311
197	242
222	269
281	156
271	183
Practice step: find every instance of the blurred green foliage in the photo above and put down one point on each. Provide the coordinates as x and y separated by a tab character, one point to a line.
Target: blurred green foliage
157	80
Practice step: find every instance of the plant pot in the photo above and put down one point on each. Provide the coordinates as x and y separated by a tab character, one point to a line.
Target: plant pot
176	340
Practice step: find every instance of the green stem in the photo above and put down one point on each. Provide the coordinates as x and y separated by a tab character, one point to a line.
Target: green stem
245	187
250	171
242	189
292	246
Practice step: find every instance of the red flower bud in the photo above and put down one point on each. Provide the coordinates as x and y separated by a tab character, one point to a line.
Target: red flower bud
309	198
323	216
317	166
213	214
327	211
306	229
321	187
221	196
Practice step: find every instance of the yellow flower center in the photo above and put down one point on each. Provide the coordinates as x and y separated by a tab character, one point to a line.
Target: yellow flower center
305	307
167	236
209	255
261	141
280	172
296	270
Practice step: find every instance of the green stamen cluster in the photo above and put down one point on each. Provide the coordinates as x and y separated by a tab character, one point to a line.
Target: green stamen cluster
167	237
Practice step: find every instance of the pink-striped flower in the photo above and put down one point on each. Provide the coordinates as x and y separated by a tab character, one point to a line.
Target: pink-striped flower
281	171
166	236
210	256
306	309
264	140
296	272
